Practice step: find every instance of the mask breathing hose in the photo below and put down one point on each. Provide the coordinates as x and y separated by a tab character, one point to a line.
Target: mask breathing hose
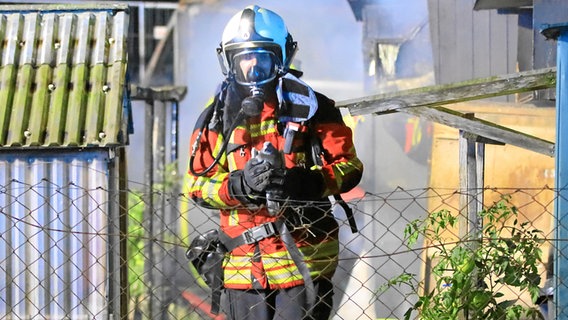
251	106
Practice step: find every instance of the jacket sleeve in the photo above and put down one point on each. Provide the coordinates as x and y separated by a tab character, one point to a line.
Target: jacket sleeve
342	169
209	190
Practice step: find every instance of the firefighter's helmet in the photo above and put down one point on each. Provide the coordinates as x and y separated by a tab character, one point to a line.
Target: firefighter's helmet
260	34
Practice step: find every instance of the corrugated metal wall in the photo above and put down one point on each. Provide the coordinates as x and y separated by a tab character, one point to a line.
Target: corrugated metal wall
54	253
62	74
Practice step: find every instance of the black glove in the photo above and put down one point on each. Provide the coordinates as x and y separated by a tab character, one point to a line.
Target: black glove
249	185
297	183
256	176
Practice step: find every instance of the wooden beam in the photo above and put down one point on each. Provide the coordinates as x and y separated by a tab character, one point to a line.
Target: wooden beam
452	93
483	128
425	102
165	93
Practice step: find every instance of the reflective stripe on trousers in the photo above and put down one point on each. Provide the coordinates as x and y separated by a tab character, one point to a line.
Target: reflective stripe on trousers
321	259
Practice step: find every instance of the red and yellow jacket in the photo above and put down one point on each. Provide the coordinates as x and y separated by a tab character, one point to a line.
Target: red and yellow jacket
267	263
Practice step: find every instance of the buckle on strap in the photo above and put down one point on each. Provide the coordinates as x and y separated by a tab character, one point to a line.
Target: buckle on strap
258	233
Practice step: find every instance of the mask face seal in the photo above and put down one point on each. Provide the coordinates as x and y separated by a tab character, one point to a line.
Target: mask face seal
255	67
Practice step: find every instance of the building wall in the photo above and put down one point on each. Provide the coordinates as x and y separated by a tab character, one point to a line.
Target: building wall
470	44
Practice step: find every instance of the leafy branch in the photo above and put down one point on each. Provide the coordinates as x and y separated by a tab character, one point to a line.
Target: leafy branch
468	275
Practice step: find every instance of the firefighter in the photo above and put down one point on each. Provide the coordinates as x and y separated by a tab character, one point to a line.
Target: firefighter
267	152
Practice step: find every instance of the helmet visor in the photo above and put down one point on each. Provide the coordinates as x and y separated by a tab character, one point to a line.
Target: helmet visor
255	66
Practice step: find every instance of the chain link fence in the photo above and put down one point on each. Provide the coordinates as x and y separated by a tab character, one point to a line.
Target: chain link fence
60	265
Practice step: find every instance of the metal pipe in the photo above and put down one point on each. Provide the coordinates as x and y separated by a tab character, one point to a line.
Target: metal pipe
174	132
561	207
560	32
114	231
160	289
141	41
148	220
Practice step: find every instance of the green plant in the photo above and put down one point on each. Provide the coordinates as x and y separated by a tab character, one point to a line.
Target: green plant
138	237
137	240
135	246
469	274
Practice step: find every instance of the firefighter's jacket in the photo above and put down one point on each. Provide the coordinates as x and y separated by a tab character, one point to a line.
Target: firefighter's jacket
267	263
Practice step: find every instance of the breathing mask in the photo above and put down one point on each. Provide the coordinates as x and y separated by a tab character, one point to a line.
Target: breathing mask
252	69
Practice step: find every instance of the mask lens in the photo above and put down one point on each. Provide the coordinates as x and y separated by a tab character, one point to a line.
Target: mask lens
254	67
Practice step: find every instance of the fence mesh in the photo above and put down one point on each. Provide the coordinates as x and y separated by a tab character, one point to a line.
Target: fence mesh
60	266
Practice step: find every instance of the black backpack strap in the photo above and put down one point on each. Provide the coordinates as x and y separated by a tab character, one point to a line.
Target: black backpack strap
317	153
250	236
348	212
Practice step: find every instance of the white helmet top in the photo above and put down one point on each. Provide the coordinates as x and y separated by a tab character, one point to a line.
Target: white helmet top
256	30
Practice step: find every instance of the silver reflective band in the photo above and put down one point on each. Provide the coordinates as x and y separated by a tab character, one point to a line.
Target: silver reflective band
258	233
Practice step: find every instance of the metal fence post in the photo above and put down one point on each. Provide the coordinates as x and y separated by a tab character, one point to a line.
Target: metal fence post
159	213
159	290
149	200
560	32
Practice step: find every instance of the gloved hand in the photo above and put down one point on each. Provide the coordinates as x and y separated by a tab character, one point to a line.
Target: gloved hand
297	183
256	175
249	185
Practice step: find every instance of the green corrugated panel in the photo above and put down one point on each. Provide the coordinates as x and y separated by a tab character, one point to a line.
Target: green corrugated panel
8	79
35	133
4	112
40	106
95	104
60	87
8	71
117	42
70	93
79	78
115	81
113	112
25	78
21	108
58	106
76	106
97	80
